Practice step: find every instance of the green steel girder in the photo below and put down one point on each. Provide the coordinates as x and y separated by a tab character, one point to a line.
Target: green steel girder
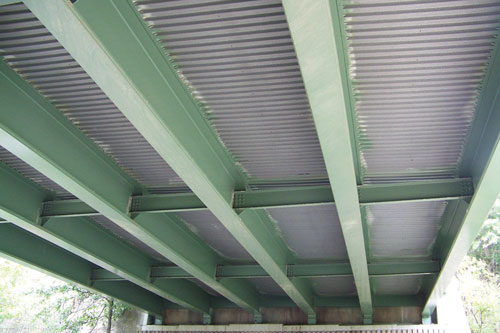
70	159
442	189
293	271
316	35
451	221
21	203
136	75
21	246
481	162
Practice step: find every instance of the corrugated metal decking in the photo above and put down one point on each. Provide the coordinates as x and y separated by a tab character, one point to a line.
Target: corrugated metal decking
312	233
239	61
414	74
36	55
404	230
417	68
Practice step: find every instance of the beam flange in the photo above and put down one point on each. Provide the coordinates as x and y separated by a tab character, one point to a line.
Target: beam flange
372	194
154	99
25	248
315	30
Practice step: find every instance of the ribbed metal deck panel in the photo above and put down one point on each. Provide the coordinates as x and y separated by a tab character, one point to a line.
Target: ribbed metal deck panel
36	55
206	225
416	68
267	286
311	232
334	286
238	59
404	230
396	285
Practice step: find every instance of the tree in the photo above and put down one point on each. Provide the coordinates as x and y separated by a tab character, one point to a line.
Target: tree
479	277
31	301
480	289
70	308
10	277
486	247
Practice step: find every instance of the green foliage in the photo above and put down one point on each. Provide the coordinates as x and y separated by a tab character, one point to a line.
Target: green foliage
69	308
11	275
480	289
34	302
486	247
479	277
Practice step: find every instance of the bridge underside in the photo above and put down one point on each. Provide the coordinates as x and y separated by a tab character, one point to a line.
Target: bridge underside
237	162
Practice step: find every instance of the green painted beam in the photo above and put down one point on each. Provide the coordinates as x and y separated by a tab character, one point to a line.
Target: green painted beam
70	159
315	30
293	271
372	194
25	248
21	202
451	221
8	2
136	75
481	162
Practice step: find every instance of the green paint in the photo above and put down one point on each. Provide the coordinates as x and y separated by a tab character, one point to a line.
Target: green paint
443	189
8	2
313	270
21	203
482	132
329	302
341	39
154	100
320	54
481	162
71	160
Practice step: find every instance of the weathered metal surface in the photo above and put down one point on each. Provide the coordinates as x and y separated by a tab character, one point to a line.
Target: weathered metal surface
175	132
484	171
27	46
238	60
416	68
73	161
404	230
206	225
334	286
397	285
311	232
